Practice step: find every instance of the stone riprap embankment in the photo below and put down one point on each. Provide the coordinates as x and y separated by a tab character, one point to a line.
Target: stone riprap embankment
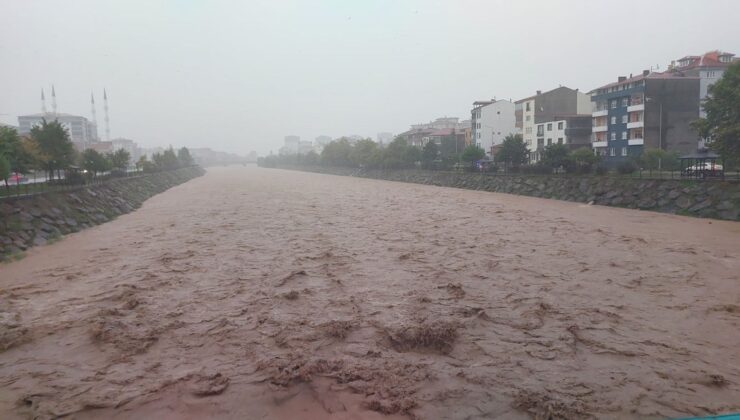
38	219
712	199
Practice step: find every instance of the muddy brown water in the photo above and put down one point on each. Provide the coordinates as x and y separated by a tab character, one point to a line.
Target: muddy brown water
267	294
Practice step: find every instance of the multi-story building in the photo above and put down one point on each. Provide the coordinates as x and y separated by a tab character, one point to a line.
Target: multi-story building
491	121
291	145
651	110
573	131
128	145
708	68
418	135
548	107
81	131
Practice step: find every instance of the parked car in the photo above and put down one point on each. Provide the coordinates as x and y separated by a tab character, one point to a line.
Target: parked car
705	169
17	178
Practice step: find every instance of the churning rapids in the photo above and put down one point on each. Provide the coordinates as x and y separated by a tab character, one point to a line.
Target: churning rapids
261	293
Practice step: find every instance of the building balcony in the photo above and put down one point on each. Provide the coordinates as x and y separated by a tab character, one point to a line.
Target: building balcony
635	108
600	128
636	142
635	124
599	144
600	113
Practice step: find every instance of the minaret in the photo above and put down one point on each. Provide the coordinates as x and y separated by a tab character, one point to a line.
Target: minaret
107	121
94	114
53	101
43	102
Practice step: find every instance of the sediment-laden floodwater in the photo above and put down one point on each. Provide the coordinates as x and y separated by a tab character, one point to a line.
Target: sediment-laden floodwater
257	293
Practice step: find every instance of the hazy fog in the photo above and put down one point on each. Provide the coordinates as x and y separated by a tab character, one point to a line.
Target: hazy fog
238	76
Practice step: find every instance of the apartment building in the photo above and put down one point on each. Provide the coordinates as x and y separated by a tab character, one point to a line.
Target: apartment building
491	121
550	109
708	67
651	110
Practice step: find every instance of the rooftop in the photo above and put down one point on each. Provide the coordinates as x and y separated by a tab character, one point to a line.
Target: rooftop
644	76
714	58
50	115
543	93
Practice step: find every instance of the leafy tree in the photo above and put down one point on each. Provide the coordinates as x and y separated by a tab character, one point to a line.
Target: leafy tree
364	153
399	154
311	158
169	160
430	152
55	148
18	151
119	159
472	153
556	156
183	155
722	125
513	151
5	171
141	163
583	159
94	162
449	147
337	153
658	158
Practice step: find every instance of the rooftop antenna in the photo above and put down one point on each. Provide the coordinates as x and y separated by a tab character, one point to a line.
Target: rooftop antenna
43	102
107	120
53	100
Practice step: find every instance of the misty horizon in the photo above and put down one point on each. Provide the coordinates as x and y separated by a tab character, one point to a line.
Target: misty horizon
238	78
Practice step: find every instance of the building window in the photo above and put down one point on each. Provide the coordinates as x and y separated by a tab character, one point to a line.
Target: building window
549	142
528	130
611	151
614	135
549	127
624	135
478	135
560	140
540	130
624	151
624	119
614	120
529	117
710	74
560	125
540	142
528	109
625	101
614	103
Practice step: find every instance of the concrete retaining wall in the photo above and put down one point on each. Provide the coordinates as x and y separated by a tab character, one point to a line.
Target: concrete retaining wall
712	199
38	219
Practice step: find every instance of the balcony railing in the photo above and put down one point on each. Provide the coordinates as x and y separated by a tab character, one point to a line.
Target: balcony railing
599	128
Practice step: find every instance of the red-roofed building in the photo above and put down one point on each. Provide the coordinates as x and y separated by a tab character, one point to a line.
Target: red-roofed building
708	68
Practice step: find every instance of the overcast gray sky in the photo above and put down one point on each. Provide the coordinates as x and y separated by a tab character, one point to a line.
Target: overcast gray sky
239	75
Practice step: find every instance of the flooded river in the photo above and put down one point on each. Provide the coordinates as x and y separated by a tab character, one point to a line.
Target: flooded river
263	293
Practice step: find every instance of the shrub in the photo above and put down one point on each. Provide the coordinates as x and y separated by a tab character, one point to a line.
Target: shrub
626	167
602	170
